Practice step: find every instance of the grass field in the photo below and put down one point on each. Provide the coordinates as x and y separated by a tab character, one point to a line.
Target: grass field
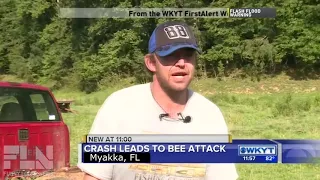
272	108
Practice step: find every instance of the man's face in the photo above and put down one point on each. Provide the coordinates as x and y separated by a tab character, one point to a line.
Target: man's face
175	71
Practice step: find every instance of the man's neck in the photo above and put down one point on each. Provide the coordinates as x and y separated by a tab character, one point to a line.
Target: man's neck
171	102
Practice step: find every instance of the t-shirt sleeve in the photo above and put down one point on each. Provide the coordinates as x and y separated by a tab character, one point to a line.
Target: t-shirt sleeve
105	122
220	171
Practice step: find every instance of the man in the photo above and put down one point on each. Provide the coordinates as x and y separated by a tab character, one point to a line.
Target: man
161	107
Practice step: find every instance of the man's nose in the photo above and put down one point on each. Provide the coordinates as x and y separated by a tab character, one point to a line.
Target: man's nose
180	62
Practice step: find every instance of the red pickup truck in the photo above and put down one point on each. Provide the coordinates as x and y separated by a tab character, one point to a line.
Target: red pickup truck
33	136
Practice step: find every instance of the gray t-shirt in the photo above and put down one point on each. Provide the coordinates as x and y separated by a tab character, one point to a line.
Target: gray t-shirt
133	110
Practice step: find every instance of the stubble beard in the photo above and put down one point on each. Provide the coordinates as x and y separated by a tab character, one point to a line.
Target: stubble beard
172	92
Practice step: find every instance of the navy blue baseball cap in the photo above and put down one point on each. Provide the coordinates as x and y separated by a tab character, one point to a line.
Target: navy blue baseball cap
171	36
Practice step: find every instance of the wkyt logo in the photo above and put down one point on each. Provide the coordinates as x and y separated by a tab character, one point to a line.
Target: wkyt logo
256	150
40	162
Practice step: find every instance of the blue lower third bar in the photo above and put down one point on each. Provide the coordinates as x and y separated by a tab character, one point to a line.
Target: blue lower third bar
193	153
166	157
299	151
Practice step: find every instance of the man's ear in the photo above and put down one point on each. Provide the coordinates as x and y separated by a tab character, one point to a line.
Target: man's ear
150	62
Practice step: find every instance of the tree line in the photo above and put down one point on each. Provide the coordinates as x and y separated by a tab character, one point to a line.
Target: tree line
39	46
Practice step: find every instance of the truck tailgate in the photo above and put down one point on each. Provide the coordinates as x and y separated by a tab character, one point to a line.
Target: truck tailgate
38	146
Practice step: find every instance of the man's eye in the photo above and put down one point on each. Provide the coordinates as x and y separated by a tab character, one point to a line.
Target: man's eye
189	53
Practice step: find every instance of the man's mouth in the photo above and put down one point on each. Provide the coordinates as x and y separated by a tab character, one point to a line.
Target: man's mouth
180	74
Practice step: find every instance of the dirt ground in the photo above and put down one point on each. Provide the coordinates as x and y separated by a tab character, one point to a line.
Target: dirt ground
73	173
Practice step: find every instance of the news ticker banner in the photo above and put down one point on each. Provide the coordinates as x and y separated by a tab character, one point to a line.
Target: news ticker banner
157	138
239	151
167	13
